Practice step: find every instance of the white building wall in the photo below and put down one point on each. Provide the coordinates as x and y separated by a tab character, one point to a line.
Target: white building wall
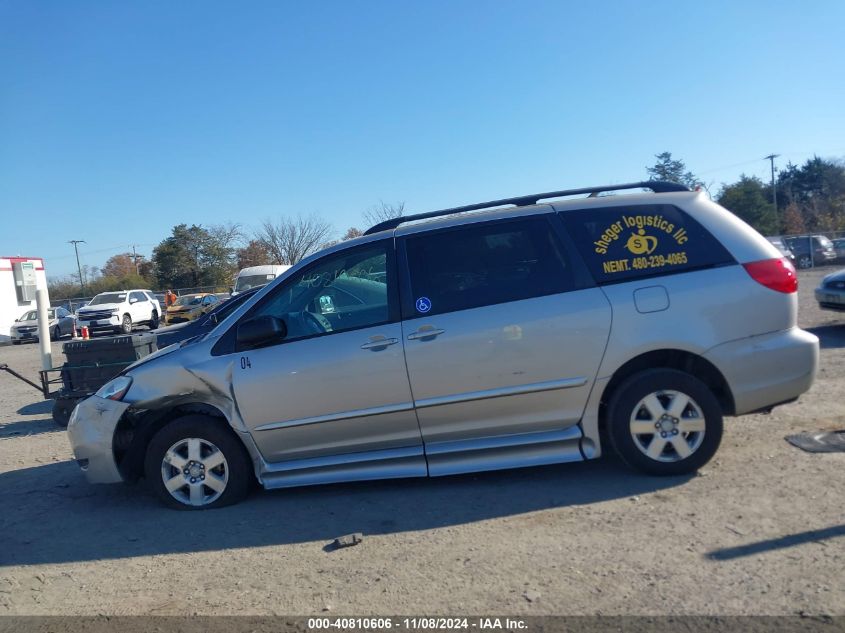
10	307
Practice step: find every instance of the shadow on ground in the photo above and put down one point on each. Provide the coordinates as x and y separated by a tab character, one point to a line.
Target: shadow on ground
830	336
37	408
29	427
810	536
52	515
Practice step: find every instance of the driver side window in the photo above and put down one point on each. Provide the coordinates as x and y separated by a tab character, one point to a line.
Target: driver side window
344	291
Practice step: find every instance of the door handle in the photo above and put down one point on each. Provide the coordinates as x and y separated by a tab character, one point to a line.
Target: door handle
422	334
380	343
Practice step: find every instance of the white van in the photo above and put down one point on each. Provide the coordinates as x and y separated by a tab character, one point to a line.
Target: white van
255	276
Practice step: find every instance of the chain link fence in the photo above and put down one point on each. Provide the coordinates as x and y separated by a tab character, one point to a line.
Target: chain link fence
75	303
812	250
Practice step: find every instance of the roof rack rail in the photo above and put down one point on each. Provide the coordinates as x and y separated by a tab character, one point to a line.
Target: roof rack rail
657	186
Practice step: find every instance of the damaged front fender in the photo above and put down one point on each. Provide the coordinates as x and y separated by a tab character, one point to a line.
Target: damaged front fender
91	432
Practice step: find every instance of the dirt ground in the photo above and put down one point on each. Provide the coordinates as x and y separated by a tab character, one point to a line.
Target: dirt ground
761	530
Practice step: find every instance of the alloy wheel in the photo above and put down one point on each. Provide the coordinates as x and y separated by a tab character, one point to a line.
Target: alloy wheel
667	426
194	471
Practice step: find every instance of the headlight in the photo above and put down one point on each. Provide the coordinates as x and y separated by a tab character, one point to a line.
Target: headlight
115	389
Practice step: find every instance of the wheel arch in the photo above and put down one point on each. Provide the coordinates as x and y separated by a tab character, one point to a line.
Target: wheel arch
136	429
681	360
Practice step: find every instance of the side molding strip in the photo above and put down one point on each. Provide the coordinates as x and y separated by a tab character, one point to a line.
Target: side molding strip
343	415
566	383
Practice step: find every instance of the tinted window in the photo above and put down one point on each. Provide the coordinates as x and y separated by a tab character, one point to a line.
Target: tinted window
317	301
485	264
621	243
108	297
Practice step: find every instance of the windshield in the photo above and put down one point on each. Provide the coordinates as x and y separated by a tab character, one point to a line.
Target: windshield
189	300
32	315
108	297
253	281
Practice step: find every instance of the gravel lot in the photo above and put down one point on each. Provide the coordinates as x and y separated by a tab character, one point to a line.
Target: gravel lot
761	530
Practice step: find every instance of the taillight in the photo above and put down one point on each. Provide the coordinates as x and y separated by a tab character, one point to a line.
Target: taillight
777	274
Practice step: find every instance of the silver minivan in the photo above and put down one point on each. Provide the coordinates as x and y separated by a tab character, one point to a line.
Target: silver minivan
498	335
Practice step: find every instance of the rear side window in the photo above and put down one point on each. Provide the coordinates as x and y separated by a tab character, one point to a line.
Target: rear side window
622	243
485	264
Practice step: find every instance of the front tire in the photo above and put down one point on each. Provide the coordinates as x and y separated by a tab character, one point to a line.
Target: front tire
805	262
154	322
57	333
664	422
196	463
126	324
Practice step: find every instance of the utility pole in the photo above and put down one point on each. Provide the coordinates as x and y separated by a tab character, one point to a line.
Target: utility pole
78	267
771	158
135	259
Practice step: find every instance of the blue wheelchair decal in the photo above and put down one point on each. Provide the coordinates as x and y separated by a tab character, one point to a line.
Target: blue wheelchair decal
423	304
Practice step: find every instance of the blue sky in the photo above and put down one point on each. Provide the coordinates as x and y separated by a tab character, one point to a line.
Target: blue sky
120	119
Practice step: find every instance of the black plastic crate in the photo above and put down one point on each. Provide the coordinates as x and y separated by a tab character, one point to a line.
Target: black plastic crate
127	347
92	363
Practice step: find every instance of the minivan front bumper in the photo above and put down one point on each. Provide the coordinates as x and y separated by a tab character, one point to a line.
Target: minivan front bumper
91	432
768	369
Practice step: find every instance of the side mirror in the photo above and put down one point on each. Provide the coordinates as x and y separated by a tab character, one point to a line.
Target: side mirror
261	330
231	290
131	301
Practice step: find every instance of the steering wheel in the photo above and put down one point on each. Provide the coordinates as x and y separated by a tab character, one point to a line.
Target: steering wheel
313	323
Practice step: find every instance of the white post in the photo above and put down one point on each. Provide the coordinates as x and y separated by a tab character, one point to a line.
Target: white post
41	304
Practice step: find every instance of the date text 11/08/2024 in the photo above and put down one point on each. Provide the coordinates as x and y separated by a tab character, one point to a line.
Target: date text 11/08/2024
417	623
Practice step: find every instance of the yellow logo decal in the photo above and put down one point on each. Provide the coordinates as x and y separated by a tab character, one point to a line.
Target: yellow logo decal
641	244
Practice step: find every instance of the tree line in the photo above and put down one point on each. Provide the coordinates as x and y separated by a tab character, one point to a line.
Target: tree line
199	256
810	198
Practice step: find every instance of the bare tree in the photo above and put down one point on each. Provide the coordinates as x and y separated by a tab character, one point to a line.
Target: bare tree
351	233
383	211
229	235
292	239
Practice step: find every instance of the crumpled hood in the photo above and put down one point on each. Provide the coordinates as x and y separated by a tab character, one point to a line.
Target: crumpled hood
157	354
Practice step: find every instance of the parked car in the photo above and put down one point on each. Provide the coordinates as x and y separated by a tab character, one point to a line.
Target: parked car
822	251
513	337
25	328
255	277
783	248
839	247
189	307
831	292
120	311
204	324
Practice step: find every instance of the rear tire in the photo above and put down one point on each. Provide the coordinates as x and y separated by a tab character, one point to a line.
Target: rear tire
197	463
664	422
